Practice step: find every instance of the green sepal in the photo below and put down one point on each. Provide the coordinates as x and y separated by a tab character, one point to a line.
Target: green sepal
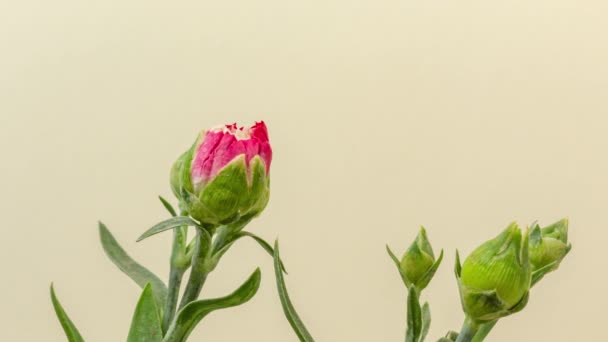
426	321
171	223
288	309
457	266
414	316
226	194
540	273
198	209
167	206
145	325
426	278
487	306
398	264
190	315
232	194
483	305
259	191
139	274
72	334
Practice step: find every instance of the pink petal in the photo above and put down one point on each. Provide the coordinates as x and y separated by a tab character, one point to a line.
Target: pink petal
220	146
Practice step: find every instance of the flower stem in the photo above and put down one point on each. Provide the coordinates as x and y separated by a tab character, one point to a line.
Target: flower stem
199	272
176	273
468	331
483	331
175	281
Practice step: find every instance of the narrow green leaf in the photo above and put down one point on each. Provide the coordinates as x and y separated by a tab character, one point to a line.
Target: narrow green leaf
265	245
194	312
171	223
167	206
68	327
145	325
290	312
414	316
130	267
426	321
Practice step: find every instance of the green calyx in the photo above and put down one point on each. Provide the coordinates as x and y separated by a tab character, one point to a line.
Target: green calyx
495	278
418	264
417	260
237	193
548	247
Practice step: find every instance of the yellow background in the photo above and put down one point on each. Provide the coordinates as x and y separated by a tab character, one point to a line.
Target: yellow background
384	115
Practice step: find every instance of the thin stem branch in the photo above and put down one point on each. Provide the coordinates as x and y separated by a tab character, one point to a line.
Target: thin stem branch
175	281
468	331
484	330
198	274
176	273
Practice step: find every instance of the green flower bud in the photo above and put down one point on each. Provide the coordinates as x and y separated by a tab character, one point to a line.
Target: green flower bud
495	279
418	265
548	247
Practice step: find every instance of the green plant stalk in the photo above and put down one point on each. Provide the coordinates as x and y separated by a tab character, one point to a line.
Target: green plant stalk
483	331
199	272
178	267
411	316
468	331
175	280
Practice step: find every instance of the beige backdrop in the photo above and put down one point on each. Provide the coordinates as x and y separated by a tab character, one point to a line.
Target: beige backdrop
384	115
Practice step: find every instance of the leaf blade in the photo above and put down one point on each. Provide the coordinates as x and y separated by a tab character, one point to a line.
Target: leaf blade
167	206
138	273
167	224
288	309
195	311
426	321
145	325
265	245
71	332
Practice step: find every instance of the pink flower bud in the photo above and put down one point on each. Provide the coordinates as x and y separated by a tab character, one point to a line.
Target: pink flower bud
224	175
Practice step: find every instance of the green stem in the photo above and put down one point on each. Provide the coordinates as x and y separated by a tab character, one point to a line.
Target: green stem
199	271
483	331
178	266
468	331
175	281
412	317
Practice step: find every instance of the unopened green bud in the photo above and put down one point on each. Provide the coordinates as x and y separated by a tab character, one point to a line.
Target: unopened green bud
418	264
548	247
495	279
